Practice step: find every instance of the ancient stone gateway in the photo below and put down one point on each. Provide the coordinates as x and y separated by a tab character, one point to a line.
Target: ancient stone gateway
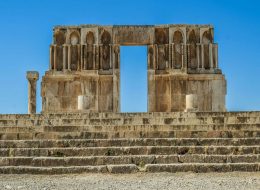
79	130
85	64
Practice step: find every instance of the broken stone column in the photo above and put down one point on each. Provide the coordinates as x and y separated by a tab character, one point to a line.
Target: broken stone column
191	102
32	77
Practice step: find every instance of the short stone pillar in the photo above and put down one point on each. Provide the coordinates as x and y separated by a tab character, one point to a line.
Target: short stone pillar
191	102
32	77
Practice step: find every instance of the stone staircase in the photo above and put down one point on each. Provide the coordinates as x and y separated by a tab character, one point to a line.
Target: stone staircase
130	142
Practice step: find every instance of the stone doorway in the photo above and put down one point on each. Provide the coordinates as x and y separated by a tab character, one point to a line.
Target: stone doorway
133	79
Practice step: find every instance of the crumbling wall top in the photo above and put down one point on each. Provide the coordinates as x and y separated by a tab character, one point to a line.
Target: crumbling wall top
150	26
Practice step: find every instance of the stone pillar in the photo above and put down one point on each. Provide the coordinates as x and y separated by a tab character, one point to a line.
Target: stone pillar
210	56
216	54
94	55
32	77
198	56
191	102
100	57
111	56
69	57
51	59
55	58
82	52
202	57
185	58
64	58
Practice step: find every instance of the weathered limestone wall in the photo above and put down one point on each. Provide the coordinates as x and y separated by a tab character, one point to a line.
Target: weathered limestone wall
61	92
168	92
85	61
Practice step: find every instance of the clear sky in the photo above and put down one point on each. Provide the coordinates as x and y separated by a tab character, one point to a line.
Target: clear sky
26	33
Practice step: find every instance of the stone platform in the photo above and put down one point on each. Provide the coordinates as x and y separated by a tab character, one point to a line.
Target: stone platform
130	142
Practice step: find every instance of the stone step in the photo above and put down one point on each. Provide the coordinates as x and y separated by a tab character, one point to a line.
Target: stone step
14	129
147	127
126	115
147	134
116	128
130	120
130	134
203	167
78	143
134	150
130	168
140	160
68	170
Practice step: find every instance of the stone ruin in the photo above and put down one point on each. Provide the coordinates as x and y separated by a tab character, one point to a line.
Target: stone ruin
84	70
186	128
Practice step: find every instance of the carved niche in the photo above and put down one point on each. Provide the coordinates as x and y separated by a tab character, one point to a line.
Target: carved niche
206	40
177	49
75	52
192	55
59	41
89	51
162	40
105	56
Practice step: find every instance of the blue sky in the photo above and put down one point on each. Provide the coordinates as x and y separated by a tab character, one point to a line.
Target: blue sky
26	32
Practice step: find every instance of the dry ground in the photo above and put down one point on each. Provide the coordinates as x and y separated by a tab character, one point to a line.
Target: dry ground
140	181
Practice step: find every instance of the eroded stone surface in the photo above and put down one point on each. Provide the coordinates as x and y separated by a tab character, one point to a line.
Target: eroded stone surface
129	142
85	61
